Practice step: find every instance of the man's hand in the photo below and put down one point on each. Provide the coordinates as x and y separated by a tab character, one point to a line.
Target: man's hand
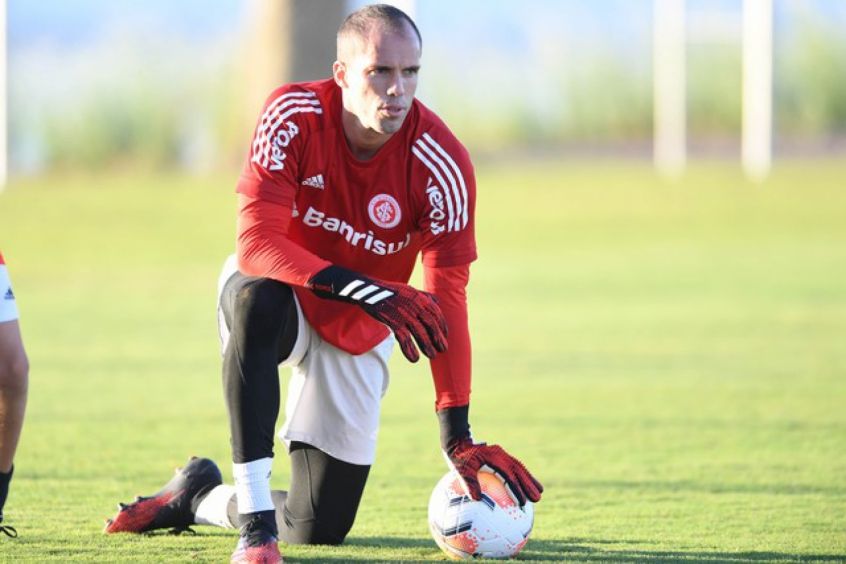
467	457
412	315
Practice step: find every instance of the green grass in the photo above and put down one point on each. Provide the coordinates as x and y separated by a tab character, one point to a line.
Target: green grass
668	359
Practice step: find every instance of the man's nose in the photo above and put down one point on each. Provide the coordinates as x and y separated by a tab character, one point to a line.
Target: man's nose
396	88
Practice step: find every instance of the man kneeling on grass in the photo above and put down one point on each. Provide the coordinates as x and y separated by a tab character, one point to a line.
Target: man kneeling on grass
349	179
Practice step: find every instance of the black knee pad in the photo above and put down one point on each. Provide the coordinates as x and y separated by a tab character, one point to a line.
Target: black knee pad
261	309
325	492
261	303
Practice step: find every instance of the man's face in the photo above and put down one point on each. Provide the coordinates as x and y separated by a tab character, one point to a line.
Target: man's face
379	78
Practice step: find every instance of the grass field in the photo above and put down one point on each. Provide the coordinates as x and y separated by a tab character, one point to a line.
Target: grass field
670	360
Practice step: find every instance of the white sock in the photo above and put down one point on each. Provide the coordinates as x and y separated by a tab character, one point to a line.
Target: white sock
213	509
252	485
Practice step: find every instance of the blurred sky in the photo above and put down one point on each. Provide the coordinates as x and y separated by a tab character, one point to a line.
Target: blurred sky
75	22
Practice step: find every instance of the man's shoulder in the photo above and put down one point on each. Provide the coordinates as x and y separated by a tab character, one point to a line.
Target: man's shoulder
292	113
299	101
432	138
321	89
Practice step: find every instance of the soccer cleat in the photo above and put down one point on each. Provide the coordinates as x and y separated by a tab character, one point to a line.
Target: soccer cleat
173	505
258	543
6	529
5	478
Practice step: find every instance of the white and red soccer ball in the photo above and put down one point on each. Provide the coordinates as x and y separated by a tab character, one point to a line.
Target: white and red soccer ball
495	527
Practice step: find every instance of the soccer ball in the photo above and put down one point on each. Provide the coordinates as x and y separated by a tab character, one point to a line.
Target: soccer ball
495	527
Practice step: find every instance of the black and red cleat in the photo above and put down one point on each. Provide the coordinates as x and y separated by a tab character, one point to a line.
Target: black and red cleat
258	543
173	506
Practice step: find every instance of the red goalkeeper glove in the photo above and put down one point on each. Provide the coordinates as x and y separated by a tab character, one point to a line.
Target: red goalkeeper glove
467	458
412	315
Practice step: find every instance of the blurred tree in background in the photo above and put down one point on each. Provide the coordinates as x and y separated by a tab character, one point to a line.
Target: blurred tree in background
811	85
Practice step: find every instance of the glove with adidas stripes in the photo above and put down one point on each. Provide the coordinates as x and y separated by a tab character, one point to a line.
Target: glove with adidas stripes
413	315
467	457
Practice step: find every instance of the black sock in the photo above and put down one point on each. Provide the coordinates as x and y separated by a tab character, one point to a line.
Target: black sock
278	497
4	488
260	519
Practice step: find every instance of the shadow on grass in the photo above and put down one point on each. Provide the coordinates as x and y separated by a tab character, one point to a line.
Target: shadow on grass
573	550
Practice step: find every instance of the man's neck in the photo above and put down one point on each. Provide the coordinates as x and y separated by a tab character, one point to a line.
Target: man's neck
363	142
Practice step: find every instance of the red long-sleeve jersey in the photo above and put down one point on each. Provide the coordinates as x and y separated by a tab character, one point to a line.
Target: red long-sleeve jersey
306	202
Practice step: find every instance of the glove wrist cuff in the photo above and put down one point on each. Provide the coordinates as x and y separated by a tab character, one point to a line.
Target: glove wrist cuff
331	280
455	426
338	283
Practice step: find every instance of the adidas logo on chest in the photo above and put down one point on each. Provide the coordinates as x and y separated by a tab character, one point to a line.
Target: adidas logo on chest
315	181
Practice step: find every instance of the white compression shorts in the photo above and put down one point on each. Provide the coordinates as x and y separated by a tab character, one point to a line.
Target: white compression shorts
334	397
8	307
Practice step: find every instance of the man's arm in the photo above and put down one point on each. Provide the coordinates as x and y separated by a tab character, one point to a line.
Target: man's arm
451	373
263	247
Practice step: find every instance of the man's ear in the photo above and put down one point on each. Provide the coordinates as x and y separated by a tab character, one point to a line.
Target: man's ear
339	73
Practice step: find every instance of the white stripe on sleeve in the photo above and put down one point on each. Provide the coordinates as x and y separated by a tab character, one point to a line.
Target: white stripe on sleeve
436	171
458	175
274	117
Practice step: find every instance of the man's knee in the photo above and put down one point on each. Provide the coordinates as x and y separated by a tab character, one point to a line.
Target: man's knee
323	501
14	374
261	304
326	529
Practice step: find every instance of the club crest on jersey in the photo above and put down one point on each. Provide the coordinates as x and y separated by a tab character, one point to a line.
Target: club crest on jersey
384	211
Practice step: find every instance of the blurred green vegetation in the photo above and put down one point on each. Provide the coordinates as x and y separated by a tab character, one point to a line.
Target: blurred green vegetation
162	112
811	83
608	98
714	82
129	108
